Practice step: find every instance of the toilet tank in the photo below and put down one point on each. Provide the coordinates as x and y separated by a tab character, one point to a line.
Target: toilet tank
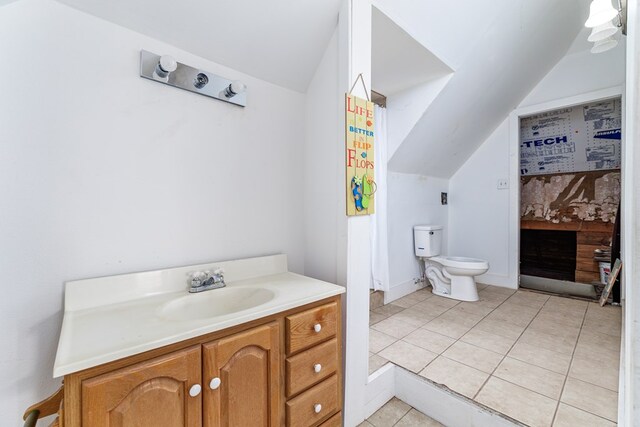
427	240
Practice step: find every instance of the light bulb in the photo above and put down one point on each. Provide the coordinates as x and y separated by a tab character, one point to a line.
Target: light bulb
166	65
235	88
600	12
604	45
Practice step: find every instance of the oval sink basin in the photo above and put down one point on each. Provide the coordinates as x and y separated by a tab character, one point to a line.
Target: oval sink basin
214	303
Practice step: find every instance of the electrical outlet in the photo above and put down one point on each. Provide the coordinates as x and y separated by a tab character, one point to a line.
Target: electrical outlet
503	184
443	198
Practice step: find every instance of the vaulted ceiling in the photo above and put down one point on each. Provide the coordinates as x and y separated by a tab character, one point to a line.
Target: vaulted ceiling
280	41
498	51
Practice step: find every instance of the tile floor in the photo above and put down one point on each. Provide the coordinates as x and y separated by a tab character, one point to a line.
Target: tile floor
397	413
542	360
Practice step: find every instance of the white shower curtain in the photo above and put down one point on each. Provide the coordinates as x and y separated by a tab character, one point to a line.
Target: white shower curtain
379	246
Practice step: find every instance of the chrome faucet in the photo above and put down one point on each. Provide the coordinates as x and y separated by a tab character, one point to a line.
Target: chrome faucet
206	280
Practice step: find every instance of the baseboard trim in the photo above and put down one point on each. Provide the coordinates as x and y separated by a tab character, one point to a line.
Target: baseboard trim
401	290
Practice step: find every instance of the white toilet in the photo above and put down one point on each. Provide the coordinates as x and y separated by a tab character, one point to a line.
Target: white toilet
450	276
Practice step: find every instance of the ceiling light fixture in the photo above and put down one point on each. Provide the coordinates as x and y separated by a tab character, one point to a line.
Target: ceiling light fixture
605	21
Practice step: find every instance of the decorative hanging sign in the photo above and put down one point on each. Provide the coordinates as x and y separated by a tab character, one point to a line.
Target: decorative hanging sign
360	184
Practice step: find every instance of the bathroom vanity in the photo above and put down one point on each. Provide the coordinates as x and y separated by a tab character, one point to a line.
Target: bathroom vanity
139	350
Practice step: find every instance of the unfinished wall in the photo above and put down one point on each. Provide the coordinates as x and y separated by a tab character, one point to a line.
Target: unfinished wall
562	198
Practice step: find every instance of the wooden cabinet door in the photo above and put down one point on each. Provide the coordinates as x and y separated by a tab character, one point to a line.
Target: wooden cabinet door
151	393
242	379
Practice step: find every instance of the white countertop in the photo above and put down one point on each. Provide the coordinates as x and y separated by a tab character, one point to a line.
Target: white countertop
110	318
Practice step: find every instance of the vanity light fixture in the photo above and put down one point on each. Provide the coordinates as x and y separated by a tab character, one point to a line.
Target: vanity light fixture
165	69
605	21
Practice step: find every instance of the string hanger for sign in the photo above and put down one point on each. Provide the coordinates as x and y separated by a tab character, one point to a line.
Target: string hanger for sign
366	92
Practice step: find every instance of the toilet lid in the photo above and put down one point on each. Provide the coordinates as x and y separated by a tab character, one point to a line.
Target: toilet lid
461	262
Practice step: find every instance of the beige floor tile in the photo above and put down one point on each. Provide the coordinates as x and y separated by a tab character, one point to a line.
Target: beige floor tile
597	339
561	318
531	377
488	341
541	357
591	398
379	340
375	317
365	424
499	290
586	350
413	317
568	416
517	402
444	302
376	362
551	327
567	304
608	312
508	330
460	378
409	300
408	356
481	308
388	310
594	371
389	414
510	317
528	299
462	317
429	340
476	357
415	418
429	308
550	342
447	327
609	328
393	327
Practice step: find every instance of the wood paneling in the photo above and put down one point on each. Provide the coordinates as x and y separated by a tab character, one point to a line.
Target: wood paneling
300	327
248	367
335	421
154	392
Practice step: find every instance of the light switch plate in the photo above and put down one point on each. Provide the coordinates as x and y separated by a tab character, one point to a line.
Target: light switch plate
503	184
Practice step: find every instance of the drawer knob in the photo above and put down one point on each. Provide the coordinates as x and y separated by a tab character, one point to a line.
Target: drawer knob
317	368
195	390
317	408
317	327
215	383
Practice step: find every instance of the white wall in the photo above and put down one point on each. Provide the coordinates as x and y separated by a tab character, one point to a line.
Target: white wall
322	170
104	172
479	213
413	200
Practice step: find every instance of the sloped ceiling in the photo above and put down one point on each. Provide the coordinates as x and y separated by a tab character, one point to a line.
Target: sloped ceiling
280	41
514	44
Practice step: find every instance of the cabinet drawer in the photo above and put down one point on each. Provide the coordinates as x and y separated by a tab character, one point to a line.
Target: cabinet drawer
313	405
335	421
301	368
311	327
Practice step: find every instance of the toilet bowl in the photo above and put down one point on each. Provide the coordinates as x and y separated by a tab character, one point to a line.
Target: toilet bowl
450	276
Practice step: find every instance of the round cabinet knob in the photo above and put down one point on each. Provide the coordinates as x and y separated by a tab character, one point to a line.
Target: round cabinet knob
317	327
195	390
215	383
317	368
317	408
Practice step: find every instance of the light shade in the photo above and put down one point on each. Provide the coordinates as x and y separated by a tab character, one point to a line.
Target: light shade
600	12
604	45
603	31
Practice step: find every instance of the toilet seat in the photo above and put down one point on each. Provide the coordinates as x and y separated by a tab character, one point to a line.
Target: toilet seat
461	262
